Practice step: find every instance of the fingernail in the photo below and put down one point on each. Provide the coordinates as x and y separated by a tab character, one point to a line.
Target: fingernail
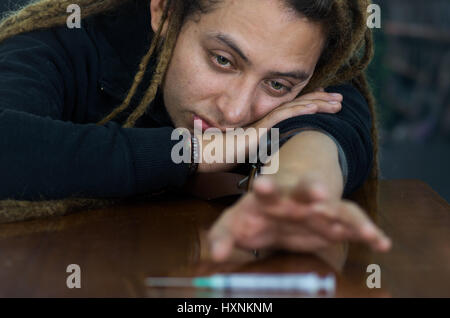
333	102
337	228
319	190
388	243
311	105
215	249
369	230
334	95
385	244
263	181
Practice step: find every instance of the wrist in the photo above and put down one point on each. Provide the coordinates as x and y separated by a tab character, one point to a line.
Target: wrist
213	154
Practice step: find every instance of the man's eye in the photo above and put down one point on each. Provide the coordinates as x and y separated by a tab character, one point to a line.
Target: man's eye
279	87
223	61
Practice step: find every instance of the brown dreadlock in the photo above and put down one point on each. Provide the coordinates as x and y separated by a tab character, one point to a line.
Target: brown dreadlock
348	52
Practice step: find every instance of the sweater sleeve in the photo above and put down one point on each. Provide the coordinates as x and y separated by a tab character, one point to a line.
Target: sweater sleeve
350	129
45	156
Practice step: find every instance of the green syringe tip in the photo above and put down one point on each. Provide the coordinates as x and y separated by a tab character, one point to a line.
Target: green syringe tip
202	282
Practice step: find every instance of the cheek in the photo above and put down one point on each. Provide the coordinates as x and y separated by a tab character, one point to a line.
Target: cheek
191	78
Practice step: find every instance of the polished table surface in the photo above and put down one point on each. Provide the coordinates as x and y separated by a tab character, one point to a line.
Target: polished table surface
118	247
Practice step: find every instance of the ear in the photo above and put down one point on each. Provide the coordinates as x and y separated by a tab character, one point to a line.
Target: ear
156	13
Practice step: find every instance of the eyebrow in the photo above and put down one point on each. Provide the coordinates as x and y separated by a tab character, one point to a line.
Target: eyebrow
229	41
298	75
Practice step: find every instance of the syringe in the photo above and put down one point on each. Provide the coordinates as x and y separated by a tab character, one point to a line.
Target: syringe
309	283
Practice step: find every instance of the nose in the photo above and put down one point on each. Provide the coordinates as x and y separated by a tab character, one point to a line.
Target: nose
235	104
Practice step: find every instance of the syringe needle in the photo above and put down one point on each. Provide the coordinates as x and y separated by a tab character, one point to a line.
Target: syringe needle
169	282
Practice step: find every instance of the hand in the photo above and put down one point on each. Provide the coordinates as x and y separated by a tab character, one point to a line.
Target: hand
312	103
318	101
302	218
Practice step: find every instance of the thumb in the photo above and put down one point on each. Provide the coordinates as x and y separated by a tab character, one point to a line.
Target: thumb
221	244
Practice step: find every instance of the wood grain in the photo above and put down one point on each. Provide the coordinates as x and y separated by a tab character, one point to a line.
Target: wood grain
118	247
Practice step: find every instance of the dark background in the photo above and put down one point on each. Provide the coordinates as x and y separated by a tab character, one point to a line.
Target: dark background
410	76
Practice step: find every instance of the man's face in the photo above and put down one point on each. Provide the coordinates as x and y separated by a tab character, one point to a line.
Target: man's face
239	62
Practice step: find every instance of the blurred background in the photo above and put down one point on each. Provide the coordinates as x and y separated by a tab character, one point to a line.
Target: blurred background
410	76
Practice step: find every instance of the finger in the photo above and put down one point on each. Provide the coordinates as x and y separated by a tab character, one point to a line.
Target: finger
309	189
359	220
375	238
300	236
330	107
337	213
288	210
332	231
221	249
304	105
320	106
220	240
340	232
325	96
355	219
265	191
283	113
317	235
320	223
303	243
325	104
257	233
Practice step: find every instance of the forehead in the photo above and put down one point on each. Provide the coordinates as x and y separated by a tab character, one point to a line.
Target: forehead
264	29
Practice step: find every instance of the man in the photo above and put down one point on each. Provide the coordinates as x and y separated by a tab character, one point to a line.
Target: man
235	64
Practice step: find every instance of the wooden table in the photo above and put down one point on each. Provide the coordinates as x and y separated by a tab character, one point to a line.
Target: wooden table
117	248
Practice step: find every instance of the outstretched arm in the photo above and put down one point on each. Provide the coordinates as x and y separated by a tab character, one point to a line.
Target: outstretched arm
299	208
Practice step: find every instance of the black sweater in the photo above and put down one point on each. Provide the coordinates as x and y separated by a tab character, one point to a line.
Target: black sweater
56	84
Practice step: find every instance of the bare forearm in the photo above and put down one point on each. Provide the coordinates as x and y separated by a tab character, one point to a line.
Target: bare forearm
311	152
300	219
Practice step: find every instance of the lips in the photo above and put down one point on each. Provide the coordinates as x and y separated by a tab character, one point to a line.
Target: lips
204	124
